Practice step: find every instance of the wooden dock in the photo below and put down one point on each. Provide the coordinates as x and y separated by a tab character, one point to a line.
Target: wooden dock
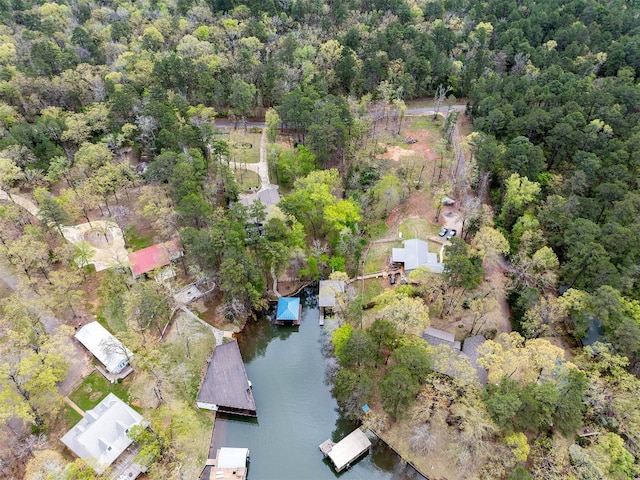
347	450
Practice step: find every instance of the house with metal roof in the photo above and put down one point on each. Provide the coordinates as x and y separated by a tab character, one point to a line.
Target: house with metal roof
154	257
470	349
105	347
267	196
460	356
225	387
102	435
416	254
289	311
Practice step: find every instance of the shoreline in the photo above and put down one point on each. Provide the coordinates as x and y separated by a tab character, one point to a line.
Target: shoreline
397	452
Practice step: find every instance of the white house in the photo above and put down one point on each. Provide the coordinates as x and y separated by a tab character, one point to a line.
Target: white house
104	346
101	436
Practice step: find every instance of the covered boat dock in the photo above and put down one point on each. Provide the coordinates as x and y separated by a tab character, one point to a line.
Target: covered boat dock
289	311
225	387
230	463
347	450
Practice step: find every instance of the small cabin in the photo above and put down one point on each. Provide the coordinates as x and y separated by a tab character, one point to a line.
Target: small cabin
289	311
110	352
154	257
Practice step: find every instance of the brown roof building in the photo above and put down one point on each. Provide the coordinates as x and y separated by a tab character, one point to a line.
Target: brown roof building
225	387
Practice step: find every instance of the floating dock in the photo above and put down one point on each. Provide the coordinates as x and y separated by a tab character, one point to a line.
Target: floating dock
347	450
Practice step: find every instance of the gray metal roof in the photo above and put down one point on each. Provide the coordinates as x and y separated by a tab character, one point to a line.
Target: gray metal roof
436	337
269	196
470	349
328	291
416	254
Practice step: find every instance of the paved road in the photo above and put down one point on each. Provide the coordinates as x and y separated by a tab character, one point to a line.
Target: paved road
76	355
411	111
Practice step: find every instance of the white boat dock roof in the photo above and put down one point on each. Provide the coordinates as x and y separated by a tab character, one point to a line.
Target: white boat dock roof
348	449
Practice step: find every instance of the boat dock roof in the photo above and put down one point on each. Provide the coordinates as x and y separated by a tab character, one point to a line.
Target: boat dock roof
230	463
289	311
225	387
346	450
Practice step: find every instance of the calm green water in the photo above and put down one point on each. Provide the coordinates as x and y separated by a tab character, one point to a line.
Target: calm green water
287	367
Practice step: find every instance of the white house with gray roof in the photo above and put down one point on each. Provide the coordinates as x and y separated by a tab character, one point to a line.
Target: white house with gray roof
104	346
416	254
101	436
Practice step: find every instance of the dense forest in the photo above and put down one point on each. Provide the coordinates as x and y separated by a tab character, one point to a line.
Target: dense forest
112	103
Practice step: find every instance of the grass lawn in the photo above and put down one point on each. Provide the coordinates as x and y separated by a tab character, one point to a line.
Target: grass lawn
378	255
246	179
372	288
71	417
134	241
95	387
244	147
418	228
426	123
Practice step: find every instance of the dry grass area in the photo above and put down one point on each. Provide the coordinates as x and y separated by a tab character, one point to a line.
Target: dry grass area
418	227
244	147
246	179
378	256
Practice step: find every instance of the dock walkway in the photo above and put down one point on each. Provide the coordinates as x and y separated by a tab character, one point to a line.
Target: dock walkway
343	453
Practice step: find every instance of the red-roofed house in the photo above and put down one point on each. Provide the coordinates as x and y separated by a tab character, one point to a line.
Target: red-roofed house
155	256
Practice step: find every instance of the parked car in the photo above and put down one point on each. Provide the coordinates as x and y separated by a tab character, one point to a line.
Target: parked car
451	234
443	232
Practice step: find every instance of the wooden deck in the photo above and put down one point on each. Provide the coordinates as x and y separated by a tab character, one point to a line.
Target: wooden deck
347	450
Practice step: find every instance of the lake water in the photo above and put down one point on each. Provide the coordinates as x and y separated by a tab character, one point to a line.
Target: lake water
296	412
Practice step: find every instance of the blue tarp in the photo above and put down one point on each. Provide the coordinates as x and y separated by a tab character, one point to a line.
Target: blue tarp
288	308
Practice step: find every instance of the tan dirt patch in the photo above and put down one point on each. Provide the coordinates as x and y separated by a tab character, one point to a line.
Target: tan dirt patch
395	153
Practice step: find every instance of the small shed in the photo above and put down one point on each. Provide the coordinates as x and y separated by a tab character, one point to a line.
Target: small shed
101	436
289	311
435	337
225	387
154	257
104	346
